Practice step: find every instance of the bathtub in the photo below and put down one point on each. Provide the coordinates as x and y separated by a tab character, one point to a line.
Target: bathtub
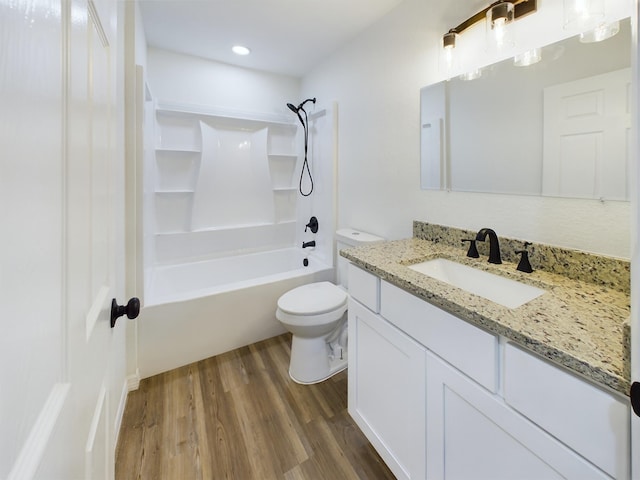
196	310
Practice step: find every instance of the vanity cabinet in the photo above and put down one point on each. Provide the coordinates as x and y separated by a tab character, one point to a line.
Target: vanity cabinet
473	434
387	390
440	398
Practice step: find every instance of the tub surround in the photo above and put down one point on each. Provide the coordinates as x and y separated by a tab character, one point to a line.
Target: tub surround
580	323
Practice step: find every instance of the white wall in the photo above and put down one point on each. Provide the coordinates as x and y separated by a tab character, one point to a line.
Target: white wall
184	79
376	80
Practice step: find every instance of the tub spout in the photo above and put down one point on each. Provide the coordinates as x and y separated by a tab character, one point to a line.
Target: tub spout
312	243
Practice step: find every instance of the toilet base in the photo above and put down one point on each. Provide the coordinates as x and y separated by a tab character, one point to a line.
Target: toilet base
313	360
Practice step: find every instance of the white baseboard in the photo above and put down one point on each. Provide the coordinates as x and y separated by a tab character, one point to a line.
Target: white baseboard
133	381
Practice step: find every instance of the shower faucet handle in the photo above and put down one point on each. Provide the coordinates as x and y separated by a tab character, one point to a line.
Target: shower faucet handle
313	225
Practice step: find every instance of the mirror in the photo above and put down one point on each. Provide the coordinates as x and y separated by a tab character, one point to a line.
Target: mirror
559	127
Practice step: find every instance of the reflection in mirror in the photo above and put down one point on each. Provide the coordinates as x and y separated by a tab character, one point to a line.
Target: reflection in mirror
559	127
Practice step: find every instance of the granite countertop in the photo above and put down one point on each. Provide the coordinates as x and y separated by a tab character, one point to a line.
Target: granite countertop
579	325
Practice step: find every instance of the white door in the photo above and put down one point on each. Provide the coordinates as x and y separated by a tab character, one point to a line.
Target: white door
635	254
586	137
63	369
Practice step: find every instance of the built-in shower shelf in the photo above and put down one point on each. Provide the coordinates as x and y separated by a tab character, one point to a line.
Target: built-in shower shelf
281	168
247	118
169	192
179	149
199	178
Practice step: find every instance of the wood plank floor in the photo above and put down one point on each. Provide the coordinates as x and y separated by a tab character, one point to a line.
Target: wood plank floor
239	416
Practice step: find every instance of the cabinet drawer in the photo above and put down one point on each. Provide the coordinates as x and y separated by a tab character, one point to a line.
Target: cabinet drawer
466	347
591	421
364	287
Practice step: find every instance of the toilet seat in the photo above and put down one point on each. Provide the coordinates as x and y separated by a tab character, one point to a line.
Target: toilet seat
313	299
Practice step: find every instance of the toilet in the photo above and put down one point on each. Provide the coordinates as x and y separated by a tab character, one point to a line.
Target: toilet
316	316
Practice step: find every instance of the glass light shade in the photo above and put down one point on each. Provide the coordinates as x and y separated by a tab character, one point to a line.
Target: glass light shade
527	58
449	58
600	33
582	15
499	33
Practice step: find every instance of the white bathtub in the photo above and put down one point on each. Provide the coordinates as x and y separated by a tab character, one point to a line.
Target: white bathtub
196	310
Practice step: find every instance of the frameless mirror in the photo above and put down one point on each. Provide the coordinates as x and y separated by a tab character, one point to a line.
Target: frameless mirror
559	127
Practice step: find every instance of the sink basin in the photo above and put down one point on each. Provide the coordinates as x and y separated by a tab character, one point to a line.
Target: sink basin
498	289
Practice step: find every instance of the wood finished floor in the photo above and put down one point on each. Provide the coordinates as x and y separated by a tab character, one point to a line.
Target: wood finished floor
239	416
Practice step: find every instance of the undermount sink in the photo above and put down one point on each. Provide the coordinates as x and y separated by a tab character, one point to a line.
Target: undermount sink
498	289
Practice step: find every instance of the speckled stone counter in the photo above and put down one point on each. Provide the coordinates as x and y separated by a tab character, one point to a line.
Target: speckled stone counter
581	325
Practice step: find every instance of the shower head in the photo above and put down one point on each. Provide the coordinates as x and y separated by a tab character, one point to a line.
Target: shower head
295	109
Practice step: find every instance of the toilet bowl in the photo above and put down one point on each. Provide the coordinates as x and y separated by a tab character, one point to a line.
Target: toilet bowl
314	313
316	316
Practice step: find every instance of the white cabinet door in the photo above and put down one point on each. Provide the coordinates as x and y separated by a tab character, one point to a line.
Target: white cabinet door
473	434
592	421
387	390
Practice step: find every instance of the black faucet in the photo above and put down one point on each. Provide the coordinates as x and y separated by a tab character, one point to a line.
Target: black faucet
312	243
494	246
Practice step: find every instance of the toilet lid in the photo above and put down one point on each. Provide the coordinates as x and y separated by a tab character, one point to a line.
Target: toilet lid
312	299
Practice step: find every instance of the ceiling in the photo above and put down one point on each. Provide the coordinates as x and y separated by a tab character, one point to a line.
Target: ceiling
285	36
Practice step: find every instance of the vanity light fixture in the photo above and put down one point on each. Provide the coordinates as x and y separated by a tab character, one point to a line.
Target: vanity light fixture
448	50
499	15
499	21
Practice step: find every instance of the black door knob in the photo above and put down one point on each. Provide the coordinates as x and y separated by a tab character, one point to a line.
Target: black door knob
131	309
634	395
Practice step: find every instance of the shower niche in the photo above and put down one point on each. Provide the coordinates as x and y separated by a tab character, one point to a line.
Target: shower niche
222	183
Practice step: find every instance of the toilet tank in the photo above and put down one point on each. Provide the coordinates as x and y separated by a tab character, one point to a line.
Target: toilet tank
346	238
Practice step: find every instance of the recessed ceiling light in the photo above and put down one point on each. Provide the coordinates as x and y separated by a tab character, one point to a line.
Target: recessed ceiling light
240	50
